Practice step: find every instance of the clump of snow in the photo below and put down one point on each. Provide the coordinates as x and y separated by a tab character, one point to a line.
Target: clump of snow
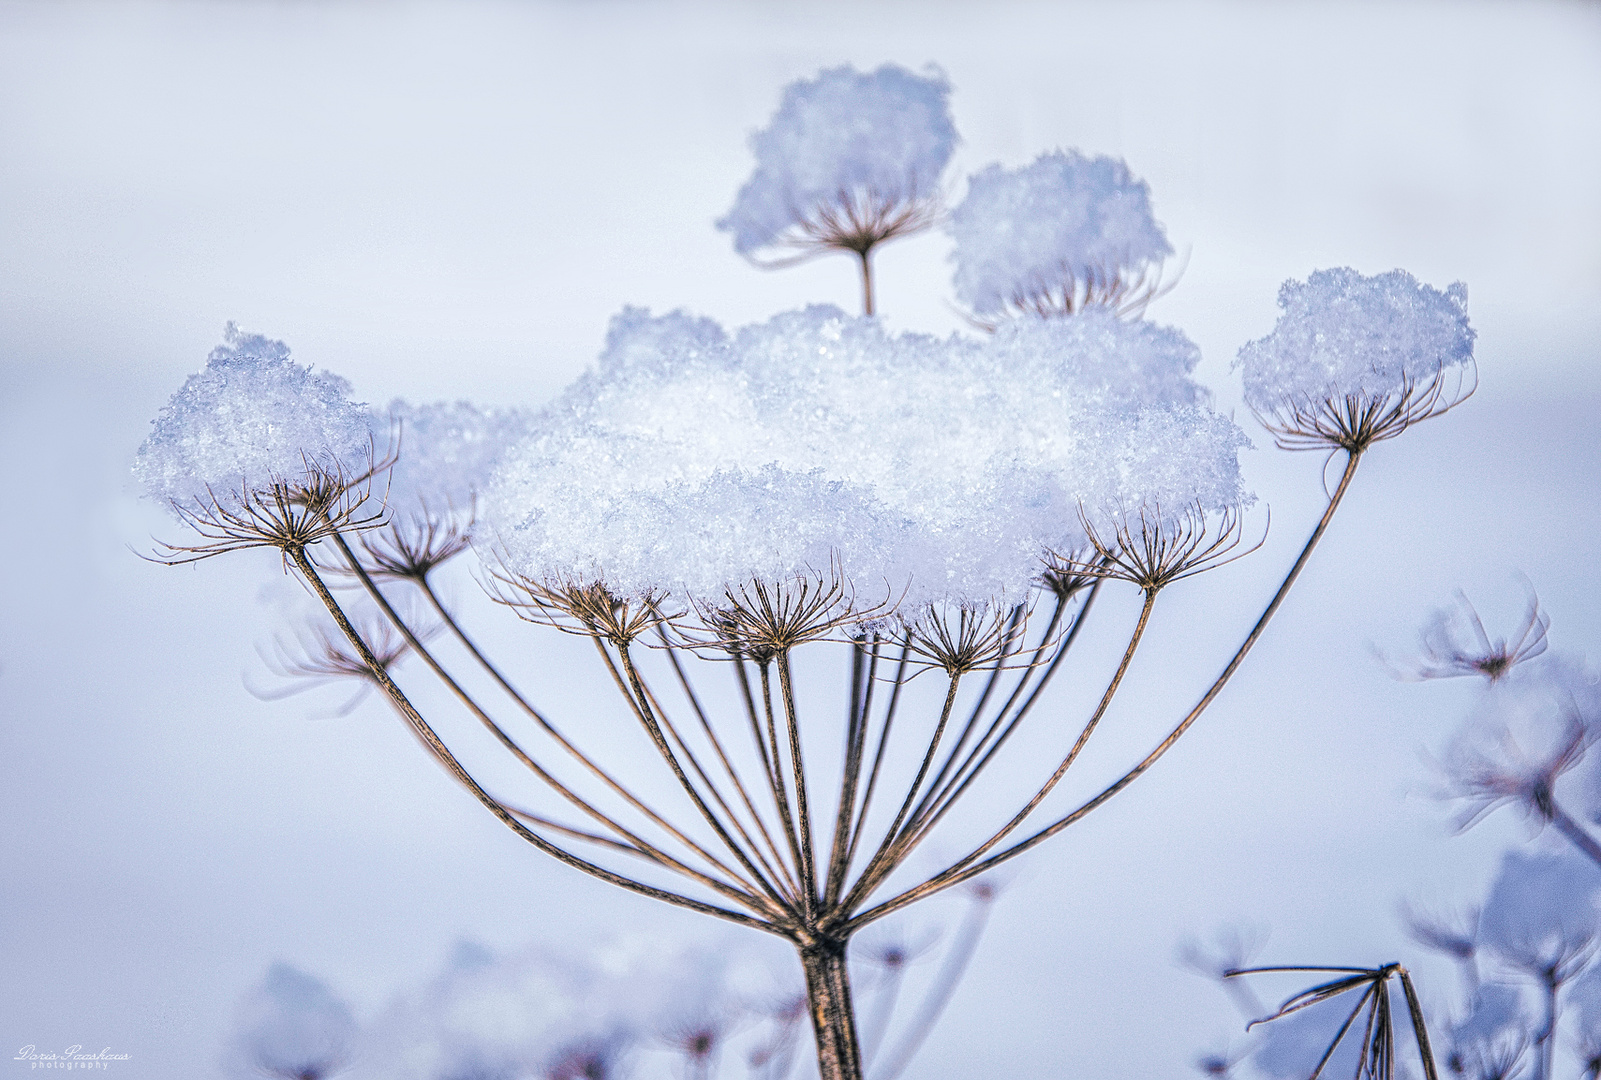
290	1025
841	139
1062	221
933	470
446	452
1344	334
251	418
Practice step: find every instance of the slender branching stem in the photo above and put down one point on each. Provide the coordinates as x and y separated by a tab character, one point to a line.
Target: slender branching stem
938	785
878	756
766	877
733	892
865	257
780	787
965	870
975	764
777	868
436	746
1083	738
641	700
864	667
550	729
808	867
890	850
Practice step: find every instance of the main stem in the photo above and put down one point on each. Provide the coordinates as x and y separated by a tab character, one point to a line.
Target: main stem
865	255
828	994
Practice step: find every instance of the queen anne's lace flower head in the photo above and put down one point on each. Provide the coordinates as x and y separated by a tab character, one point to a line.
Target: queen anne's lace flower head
1063	232
845	143
253	417
933	470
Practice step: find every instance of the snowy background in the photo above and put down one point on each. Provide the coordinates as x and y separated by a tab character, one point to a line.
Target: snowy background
450	201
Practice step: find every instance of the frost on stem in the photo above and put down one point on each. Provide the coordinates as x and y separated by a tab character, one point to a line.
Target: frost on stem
1055	237
691	463
1354	360
849	161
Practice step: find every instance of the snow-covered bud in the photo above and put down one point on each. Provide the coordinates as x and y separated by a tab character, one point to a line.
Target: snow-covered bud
1065	233
849	160
1356	359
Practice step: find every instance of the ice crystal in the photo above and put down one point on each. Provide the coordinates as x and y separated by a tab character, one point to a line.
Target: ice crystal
1063	222
691	460
1342	334
844	139
252	417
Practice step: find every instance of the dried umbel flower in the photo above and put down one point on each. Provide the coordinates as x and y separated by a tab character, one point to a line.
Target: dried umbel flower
849	161
1354	360
1055	237
692	462
1454	644
251	421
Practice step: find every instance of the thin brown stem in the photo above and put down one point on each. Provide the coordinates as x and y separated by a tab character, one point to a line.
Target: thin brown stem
436	746
965	871
640	698
733	892
782	870
808	854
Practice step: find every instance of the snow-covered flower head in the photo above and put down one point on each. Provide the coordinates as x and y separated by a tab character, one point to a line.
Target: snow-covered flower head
849	160
259	451
931	470
1062	233
253	417
1353	359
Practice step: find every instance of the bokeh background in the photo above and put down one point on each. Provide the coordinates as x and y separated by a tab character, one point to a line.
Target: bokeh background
450	200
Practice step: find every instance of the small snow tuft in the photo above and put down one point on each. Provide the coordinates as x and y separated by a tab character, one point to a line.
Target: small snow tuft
844	139
252	417
1342	334
1062	222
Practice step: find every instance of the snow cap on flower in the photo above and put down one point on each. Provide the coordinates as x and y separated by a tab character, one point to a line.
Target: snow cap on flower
1062	221
1342	334
933	470
447	451
884	136
252	417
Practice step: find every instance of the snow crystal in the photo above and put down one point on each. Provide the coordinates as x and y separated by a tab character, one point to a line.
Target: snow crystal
844	138
446	452
1345	334
251	418
1062	221
291	1025
938	470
